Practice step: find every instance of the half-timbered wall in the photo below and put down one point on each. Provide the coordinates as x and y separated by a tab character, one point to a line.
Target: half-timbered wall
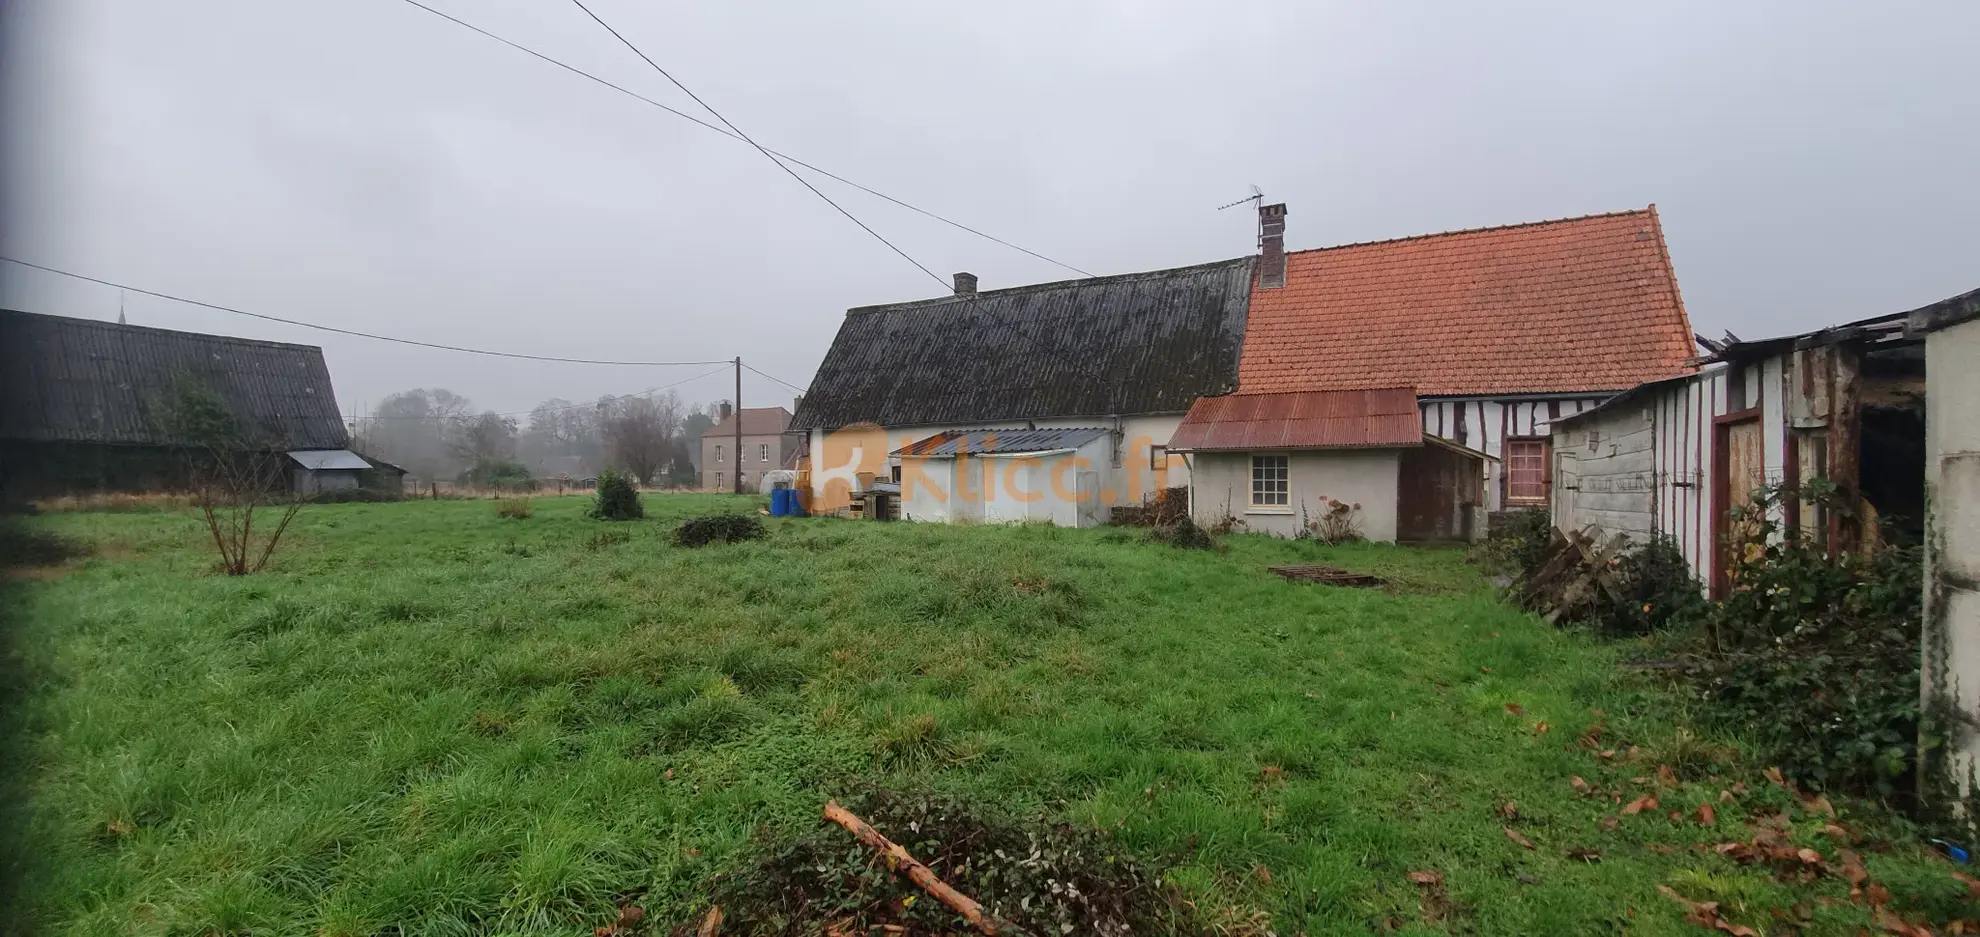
1485	423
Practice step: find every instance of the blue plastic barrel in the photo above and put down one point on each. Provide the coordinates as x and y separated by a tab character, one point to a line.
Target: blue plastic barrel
780	502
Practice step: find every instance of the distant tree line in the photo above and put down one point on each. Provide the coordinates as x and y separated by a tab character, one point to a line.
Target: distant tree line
436	434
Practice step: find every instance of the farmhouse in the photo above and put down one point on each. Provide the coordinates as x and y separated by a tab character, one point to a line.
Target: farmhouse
1678	457
1498	330
84	404
1126	355
1483	336
767	445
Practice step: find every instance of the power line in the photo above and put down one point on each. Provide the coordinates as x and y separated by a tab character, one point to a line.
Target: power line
698	121
331	328
774	378
759	147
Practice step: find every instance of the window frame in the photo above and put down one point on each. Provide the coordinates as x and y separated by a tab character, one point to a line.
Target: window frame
763	452
718	453
1158	458
1252	477
718	479
1544	458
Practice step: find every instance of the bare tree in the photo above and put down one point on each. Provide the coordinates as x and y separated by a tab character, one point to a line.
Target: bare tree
637	431
490	437
234	471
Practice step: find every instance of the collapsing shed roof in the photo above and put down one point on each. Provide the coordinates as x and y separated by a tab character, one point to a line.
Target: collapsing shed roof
1321	419
1121	345
82	380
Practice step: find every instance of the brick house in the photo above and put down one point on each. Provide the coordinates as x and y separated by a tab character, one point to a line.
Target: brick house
767	445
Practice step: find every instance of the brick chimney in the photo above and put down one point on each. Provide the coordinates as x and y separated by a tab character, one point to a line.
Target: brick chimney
797	403
1272	246
965	284
726	410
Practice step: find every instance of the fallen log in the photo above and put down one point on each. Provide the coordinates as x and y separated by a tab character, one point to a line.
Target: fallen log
917	873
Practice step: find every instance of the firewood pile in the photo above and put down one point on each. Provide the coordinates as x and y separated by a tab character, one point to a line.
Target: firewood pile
1577	575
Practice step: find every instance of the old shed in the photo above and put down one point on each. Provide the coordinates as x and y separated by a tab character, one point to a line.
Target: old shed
83	402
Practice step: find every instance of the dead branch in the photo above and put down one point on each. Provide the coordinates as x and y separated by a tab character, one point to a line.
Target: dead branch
917	873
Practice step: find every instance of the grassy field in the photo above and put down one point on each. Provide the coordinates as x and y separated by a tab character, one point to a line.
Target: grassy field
426	719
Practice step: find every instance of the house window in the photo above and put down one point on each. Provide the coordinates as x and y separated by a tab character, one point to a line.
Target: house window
1269	481
718	457
763	452
718	479
1158	458
1526	470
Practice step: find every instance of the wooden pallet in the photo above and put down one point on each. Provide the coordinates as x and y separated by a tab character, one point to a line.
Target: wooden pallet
1328	575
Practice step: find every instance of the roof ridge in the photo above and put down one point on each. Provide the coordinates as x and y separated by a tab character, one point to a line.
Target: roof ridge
1650	211
107	325
1055	284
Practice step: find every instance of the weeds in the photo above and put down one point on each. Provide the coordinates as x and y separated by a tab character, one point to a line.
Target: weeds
617	498
513	508
1183	534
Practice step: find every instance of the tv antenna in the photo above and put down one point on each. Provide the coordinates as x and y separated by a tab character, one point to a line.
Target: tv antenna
1257	195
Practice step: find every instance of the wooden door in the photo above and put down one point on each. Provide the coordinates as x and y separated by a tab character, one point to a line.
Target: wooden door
1739	467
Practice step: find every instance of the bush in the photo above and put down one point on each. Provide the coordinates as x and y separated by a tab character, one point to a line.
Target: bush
1818	656
1518	542
513	508
1338	524
618	498
721	528
1658	591
1182	534
504	475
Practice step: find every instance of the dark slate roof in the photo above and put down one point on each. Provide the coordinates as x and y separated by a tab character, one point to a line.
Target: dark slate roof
1002	441
1120	345
83	380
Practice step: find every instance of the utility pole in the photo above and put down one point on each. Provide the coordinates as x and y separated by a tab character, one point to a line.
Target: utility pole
739	452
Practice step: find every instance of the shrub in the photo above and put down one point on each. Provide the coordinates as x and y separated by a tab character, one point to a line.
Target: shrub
499	474
513	508
618	498
1818	656
720	528
1658	591
1182	534
1518	542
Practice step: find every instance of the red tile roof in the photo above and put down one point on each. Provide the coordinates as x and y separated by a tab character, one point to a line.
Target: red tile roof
1580	304
1322	419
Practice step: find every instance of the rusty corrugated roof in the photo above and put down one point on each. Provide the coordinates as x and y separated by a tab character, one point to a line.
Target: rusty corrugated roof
1318	419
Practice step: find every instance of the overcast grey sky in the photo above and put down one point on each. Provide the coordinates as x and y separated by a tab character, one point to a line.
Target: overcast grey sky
365	164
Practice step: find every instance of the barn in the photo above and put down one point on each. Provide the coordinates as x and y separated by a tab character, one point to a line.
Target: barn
84	404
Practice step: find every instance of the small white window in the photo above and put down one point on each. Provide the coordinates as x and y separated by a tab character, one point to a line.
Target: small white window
718	479
763	452
1270	481
718	456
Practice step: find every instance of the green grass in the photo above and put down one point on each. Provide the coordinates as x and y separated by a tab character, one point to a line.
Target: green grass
427	719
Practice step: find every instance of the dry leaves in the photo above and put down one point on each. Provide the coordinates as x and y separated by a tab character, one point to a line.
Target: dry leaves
1666	777
1436	902
631	915
1611	822
1584	854
1262	874
1646	802
1707	816
1516	709
1515	836
1706	914
712	923
1509	810
1540	728
1774	775
1580	786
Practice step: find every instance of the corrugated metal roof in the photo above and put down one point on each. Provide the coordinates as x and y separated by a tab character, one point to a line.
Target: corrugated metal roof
1120	345
331	459
1001	441
81	380
1321	419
